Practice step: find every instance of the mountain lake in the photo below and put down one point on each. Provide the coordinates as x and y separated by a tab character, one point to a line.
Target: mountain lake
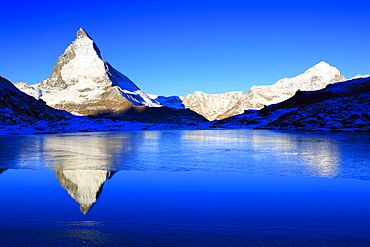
185	188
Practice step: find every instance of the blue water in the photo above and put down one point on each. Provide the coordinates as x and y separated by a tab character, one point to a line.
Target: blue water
206	179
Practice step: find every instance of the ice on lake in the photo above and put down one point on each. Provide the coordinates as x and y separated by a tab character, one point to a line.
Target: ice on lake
238	184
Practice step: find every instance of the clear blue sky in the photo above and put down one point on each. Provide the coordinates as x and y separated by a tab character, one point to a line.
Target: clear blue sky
179	46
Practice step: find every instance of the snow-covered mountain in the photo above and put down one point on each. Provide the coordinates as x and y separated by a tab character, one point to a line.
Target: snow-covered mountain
174	102
343	106
214	106
83	84
20	108
359	77
85	186
211	105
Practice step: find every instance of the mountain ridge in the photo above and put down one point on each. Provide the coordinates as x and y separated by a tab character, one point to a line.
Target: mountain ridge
341	106
314	78
20	108
83	84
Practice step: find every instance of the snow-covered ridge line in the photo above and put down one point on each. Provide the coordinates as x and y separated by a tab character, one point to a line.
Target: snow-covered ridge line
343	106
211	105
215	107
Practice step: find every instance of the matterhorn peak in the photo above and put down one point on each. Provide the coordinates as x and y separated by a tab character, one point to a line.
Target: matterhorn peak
83	84
81	33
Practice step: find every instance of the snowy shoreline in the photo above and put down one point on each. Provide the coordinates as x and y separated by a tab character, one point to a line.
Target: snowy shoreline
106	125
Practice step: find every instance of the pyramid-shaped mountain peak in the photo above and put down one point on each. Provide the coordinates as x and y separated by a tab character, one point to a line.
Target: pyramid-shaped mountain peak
81	33
83	84
84	44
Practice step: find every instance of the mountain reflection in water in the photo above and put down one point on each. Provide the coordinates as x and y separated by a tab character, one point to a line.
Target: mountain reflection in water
243	179
89	152
85	186
320	156
248	151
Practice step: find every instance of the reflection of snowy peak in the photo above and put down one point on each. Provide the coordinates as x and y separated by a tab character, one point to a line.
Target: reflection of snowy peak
315	78
82	83
84	186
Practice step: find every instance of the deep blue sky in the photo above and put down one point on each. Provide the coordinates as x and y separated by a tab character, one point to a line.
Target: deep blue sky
177	47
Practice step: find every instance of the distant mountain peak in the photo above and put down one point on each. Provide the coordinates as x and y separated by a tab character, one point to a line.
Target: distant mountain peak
314	78
322	66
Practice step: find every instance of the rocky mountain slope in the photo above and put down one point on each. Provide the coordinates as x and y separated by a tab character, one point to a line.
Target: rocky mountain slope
83	84
20	108
214	106
174	102
343	106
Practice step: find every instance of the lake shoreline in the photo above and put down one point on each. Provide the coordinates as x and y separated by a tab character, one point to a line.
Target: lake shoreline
84	124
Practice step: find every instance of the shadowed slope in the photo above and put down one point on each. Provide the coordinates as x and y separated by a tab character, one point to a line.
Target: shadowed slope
18	107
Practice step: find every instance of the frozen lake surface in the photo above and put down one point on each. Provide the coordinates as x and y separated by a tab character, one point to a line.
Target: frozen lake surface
185	187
